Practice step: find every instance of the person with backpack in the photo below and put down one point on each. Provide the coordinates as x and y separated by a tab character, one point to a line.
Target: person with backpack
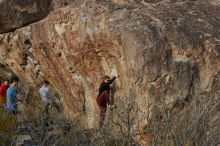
103	98
12	96
3	91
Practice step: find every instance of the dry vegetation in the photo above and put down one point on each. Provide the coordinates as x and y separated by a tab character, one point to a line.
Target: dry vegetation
196	123
191	124
8	125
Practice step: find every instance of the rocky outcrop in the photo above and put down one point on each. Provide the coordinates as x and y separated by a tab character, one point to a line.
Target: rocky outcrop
15	13
162	52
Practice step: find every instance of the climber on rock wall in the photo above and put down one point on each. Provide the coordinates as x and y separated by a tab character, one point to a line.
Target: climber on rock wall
103	98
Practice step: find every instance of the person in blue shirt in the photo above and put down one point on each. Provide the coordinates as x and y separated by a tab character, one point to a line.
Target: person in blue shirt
12	96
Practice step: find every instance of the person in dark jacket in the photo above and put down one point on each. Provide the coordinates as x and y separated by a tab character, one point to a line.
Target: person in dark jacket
103	98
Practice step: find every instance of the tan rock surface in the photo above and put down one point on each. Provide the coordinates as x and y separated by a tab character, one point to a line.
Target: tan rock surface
161	50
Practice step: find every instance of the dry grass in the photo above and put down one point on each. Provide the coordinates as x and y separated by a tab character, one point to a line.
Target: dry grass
198	123
8	125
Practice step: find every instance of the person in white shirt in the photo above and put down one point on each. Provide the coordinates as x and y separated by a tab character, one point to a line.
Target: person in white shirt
45	95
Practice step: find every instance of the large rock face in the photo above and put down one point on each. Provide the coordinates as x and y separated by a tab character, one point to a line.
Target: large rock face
161	50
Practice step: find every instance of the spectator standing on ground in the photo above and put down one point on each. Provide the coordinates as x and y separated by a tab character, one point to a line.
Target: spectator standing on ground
3	92
12	96
45	96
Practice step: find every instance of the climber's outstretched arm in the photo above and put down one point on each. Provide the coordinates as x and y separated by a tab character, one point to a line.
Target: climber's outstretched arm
111	81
